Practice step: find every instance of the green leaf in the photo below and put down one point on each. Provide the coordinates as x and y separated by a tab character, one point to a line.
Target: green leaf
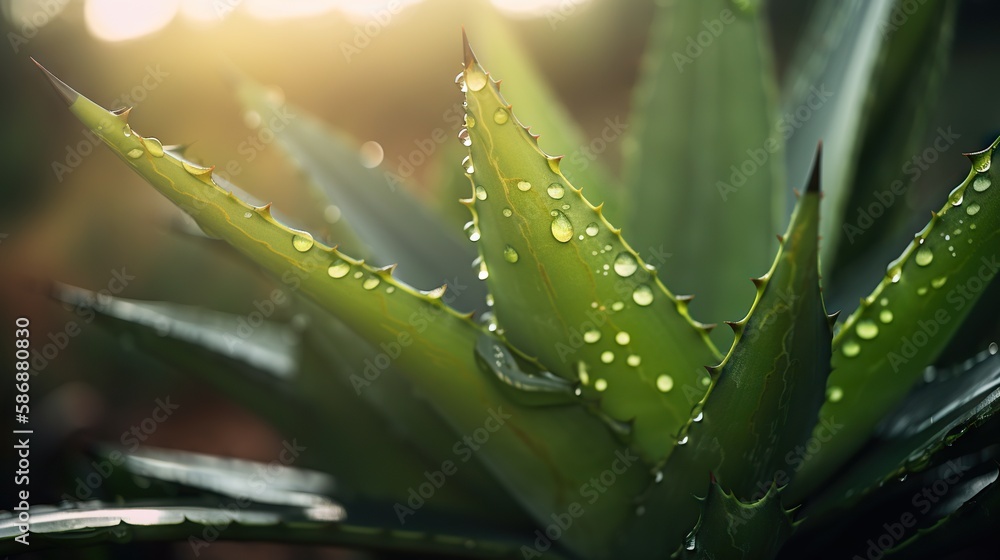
772	383
199	522
703	163
377	204
882	349
730	529
541	456
537	104
568	290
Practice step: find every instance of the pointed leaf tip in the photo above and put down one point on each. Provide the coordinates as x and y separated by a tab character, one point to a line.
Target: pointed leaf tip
470	57
813	186
68	94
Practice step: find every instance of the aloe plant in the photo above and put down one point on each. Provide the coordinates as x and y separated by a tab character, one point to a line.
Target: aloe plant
583	412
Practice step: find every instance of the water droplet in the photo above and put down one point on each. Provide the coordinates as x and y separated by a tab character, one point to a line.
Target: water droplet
957	195
500	116
699	418
625	264
470	121
507	212
134	153
623	338
248	214
371	154
127	131
607	356
359	274
523	186
510	254
390	289
922	291
582	373
302	241
562	229
467	165
924	256
600	384
484	273
195	170
592	229
554	164
834	394
642	295
481	192
883	302
475	79
640	511
633	360
683	441
338	269
938	282
617	306
972	209
370	283
993	348
153	146
851	348
471	231
981	161
659	477
489	300
460	80
556	191
866	329
463	136
981	183
591	336
885	316
664	383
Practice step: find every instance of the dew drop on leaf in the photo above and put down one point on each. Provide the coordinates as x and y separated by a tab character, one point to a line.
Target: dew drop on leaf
972	209
851	348
153	146
866	329
562	228
591	336
642	295
127	131
834	394
471	231
134	153
607	356
467	165
622	338
510	254
664	383
302	241
938	282
523	186
500	116
600	384
924	256
592	229
370	283
481	192
556	191
507	212
475	79
885	316
981	183
460	80
338	269
633	360
484	272
625	264
464	138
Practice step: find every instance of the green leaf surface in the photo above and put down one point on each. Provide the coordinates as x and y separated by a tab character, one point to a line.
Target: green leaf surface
703	162
771	385
541	456
882	349
730	529
393	224
568	289
199	522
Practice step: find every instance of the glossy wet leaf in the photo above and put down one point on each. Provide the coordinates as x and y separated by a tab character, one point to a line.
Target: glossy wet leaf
771	384
704	164
881	350
542	455
569	290
394	226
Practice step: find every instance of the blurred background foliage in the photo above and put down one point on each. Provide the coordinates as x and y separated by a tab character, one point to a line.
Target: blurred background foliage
391	85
